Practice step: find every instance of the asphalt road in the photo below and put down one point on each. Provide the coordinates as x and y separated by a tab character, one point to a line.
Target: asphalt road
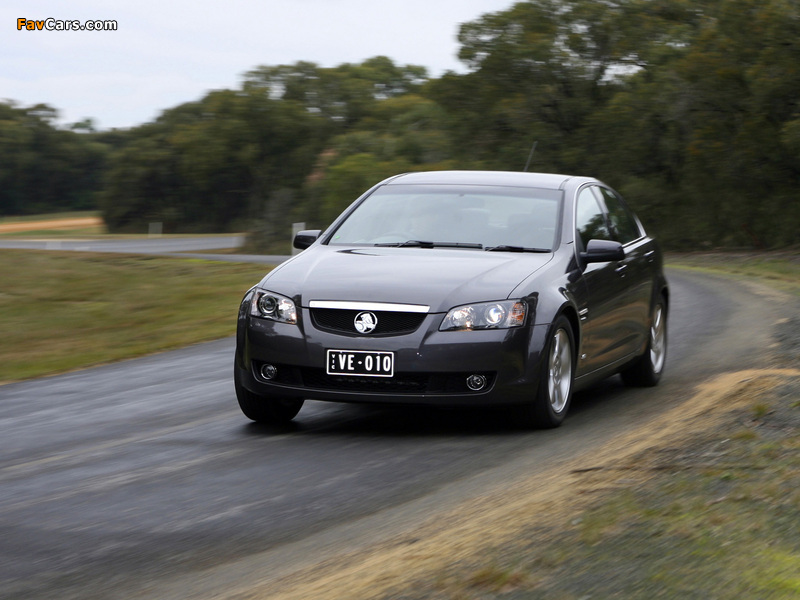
152	245
143	479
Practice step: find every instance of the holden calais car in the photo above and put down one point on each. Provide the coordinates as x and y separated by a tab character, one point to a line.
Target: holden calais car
458	288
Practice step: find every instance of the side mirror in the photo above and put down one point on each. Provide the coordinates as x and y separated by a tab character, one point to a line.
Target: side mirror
602	251
304	239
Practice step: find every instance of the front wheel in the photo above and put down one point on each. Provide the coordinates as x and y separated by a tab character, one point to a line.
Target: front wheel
554	393
646	370
265	409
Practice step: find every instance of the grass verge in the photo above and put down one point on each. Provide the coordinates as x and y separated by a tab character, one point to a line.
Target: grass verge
719	518
60	312
778	269
714	517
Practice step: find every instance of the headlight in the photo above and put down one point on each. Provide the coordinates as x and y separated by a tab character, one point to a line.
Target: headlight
273	306
486	315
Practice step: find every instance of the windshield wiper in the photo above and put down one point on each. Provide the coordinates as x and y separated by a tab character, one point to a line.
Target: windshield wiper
408	244
426	244
505	248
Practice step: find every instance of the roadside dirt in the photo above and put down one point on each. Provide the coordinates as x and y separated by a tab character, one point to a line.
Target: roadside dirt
78	223
463	536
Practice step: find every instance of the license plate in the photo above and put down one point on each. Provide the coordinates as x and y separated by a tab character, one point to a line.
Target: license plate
361	363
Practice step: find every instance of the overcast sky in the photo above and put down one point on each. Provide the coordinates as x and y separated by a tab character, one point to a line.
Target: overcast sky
165	52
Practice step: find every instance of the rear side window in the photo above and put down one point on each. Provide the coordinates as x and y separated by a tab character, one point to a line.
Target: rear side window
623	224
590	221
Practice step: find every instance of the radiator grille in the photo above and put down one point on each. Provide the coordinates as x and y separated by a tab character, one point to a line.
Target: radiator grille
342	321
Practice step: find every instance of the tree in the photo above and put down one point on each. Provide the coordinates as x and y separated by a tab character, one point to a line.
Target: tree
210	165
351	177
44	168
687	107
702	137
342	95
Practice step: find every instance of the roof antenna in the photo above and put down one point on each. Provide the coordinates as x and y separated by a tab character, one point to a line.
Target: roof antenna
530	156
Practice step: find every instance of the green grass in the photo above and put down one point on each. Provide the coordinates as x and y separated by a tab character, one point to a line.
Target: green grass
60	312
724	530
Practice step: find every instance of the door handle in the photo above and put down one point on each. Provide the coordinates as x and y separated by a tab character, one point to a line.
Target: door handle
621	270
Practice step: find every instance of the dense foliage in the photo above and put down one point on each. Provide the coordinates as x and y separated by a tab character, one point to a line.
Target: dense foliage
44	168
691	108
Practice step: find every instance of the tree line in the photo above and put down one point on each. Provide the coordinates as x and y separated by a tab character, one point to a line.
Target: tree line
690	108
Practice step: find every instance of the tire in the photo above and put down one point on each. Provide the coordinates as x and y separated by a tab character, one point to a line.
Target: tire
554	393
265	409
646	370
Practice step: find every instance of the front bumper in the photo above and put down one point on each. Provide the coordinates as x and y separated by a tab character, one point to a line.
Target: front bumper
430	366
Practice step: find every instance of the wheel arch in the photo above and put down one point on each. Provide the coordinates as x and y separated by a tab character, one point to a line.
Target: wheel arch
570	313
664	293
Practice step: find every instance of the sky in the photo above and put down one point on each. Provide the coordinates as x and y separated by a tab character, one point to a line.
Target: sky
170	52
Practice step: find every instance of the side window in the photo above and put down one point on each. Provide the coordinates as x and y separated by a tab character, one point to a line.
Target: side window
623	224
589	219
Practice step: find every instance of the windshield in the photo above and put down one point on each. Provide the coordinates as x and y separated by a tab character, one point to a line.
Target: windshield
473	216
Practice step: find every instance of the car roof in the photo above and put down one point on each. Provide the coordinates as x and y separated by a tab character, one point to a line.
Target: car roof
502	178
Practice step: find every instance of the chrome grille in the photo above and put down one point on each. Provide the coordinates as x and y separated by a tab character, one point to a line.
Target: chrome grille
342	321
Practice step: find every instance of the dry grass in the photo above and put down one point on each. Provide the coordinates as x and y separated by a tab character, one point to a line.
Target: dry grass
60	312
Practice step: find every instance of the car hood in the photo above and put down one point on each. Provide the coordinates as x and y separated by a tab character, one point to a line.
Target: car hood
439	278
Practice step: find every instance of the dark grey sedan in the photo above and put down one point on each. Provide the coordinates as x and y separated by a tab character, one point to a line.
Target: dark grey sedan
458	288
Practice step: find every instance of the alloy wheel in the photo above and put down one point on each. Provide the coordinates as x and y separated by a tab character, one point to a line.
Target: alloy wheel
658	339
559	373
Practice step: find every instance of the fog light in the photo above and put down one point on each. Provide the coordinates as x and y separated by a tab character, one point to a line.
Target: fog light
476	382
269	371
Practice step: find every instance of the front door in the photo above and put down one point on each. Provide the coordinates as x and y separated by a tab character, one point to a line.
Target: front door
608	332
